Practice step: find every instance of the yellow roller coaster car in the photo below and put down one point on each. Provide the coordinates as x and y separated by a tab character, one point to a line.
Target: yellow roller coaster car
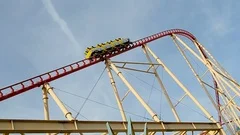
102	48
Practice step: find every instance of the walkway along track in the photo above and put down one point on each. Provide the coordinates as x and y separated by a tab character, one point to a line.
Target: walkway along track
39	80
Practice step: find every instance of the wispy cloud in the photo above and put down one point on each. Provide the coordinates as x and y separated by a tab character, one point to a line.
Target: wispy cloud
63	24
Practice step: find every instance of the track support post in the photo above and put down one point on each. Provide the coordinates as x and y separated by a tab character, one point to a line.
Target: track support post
184	89
161	83
120	106
66	113
182	86
45	105
145	105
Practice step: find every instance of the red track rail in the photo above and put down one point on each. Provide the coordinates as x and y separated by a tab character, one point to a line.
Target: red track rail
39	80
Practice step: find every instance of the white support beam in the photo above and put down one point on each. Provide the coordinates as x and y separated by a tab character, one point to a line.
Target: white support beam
136	63
162	85
45	105
134	69
65	126
115	90
49	89
135	93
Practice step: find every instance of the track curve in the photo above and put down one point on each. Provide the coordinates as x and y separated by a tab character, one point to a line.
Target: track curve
39	80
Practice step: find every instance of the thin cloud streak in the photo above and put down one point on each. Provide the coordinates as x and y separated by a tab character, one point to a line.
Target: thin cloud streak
64	26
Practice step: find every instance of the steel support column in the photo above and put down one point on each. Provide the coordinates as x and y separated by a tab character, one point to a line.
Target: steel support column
67	114
182	86
45	105
116	92
161	84
145	105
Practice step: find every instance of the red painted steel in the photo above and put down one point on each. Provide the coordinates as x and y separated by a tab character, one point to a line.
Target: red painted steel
37	81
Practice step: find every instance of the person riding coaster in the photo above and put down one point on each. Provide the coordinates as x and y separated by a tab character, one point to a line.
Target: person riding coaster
107	47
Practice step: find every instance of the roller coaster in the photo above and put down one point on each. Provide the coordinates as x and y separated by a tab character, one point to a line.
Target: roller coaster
225	87
110	46
39	80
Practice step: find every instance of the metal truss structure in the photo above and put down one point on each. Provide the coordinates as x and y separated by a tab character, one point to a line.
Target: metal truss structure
222	86
111	127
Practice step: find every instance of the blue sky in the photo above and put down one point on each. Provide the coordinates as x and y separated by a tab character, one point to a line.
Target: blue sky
38	36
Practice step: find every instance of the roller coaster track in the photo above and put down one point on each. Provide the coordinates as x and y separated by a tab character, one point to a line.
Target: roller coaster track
39	80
